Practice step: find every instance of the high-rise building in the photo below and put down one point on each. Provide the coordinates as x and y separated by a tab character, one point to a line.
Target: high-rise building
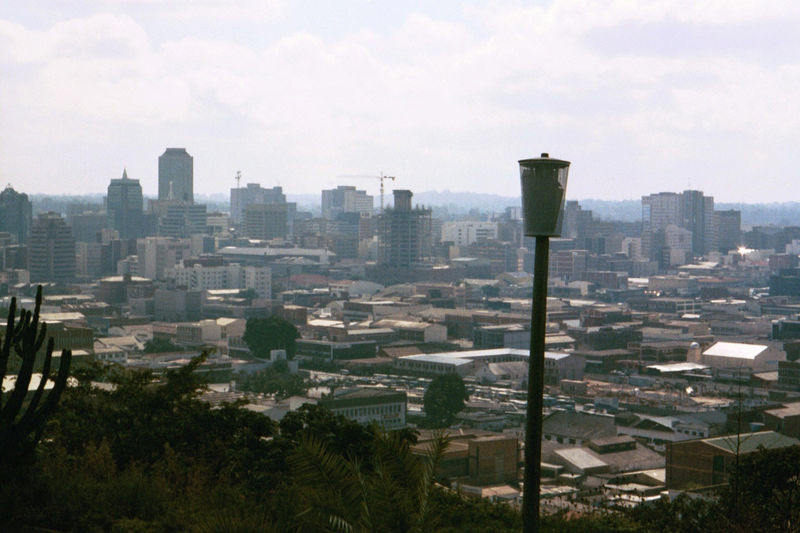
690	210
346	199
269	221
176	175
404	234
729	229
125	206
253	194
16	214
52	249
697	212
182	220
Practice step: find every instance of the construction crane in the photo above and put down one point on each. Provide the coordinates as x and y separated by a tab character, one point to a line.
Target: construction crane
381	177
238	179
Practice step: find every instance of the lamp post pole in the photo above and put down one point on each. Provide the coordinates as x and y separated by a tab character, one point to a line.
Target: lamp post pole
533	431
544	184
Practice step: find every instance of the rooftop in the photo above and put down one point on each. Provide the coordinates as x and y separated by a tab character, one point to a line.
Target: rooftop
736	350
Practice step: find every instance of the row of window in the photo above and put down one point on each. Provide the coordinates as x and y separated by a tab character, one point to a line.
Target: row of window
367	411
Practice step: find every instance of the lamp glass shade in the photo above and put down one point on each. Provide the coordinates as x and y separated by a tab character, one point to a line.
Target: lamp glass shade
544	187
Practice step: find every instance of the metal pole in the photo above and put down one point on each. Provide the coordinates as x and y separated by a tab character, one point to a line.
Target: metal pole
533	428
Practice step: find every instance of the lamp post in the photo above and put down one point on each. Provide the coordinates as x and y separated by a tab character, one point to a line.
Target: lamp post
544	184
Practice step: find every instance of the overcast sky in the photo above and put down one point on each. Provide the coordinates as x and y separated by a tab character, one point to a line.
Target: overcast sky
641	96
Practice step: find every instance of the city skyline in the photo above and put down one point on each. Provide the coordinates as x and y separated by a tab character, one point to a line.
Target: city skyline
641	98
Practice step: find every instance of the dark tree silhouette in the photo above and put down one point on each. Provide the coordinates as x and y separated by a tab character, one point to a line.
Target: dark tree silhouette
445	398
272	333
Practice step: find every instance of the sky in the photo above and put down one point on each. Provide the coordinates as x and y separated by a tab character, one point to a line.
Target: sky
641	96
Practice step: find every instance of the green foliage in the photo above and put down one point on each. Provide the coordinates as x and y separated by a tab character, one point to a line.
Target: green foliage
248	294
158	345
445	398
272	333
273	380
764	492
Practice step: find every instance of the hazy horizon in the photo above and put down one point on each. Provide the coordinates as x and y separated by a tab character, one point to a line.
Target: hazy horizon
642	97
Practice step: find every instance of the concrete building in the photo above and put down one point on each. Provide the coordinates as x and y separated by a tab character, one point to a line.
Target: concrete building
707	462
690	210
728	229
52	249
346	199
558	366
366	405
182	220
269	221
16	215
253	194
124	206
176	175
466	232
231	276
157	254
404	234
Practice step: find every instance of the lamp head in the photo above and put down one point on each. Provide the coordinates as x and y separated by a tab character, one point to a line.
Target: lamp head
544	187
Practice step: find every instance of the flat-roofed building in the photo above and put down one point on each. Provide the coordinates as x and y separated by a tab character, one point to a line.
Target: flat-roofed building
365	405
707	462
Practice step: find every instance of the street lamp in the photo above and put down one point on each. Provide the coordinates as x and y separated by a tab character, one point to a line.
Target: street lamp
544	184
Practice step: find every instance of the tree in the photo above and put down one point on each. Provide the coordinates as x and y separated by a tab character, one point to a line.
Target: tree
160	345
445	398
263	335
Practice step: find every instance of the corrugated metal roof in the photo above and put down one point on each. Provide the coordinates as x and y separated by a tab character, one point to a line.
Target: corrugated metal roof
580	458
750	442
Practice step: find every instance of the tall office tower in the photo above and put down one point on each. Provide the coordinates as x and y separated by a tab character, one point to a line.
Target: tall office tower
346	199
690	210
269	221
125	206
52	249
251	195
176	175
404	234
729	229
697	212
183	220
15	214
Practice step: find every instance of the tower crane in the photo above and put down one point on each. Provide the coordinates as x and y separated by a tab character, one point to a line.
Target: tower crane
381	177
238	179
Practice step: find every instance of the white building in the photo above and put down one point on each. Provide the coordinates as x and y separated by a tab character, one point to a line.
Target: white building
466	232
232	276
736	359
479	363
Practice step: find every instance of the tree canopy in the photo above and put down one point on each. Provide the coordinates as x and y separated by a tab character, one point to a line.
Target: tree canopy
445	398
263	335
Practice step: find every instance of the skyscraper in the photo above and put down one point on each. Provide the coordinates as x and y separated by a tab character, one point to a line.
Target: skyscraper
690	210
125	206
404	234
176	175
15	214
52	249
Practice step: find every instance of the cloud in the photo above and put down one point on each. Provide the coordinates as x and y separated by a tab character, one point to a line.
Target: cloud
635	92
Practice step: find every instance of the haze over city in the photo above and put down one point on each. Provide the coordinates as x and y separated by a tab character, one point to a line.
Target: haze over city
640	96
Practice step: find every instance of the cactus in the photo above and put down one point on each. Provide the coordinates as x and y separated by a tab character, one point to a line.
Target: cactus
21	423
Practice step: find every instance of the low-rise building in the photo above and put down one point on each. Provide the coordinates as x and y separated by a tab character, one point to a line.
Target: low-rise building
707	462
365	405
